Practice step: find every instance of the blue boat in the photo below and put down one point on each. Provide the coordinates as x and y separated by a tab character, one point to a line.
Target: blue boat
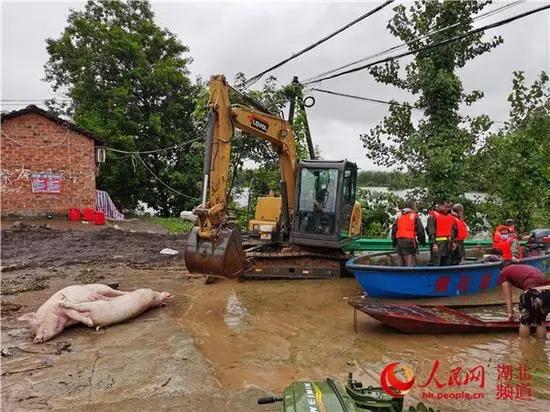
380	277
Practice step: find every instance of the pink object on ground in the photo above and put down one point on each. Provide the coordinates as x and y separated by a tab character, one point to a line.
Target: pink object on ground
108	312
50	318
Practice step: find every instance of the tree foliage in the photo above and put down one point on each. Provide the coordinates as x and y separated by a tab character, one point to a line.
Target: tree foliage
379	178
379	210
433	149
516	161
128	82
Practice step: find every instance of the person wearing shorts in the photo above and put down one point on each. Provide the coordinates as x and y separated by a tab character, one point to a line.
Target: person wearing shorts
534	301
406	233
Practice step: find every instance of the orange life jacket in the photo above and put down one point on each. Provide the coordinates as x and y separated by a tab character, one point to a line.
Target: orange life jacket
462	229
406	226
497	237
443	223
505	246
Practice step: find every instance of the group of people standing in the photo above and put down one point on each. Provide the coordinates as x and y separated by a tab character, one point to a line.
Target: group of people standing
446	230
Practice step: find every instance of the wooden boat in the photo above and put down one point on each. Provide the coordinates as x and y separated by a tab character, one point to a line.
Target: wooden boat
431	319
380	276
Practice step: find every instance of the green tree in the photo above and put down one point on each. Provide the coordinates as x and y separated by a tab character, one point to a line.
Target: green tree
128	81
379	210
432	151
516	161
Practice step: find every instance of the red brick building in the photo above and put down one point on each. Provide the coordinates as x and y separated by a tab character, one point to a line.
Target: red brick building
48	164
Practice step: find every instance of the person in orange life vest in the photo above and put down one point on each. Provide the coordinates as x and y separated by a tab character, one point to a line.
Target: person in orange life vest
507	242
462	234
406	232
442	231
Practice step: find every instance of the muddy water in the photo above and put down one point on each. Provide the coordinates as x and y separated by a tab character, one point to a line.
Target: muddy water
263	335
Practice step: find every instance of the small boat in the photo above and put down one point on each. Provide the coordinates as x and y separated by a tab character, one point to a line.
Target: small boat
431	319
381	276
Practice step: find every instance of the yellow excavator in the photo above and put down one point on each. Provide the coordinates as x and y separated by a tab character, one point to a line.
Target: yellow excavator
299	234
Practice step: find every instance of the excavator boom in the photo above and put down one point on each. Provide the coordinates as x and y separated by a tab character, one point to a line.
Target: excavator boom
214	247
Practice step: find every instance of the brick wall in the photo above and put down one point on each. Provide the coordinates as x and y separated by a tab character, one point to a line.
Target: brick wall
44	146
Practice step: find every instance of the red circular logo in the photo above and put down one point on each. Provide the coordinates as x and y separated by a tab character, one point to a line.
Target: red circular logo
392	384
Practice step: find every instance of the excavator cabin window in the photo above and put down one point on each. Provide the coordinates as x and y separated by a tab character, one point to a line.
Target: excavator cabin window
317	202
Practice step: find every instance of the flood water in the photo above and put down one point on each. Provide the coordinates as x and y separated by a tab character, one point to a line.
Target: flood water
265	334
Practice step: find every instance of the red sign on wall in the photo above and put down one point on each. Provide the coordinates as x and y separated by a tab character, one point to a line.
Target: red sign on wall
46	182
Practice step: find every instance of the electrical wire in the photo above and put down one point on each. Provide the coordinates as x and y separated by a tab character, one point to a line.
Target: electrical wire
17	142
415	40
367	99
434	45
371	100
155	150
258	76
164	184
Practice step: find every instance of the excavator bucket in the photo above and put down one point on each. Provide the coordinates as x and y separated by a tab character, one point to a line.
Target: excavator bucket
221	256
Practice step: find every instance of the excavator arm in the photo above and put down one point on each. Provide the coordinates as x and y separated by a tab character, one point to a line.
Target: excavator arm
213	247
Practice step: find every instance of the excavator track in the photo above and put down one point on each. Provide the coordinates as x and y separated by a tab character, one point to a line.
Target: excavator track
280	262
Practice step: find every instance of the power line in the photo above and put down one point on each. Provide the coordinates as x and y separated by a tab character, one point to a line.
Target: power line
432	46
257	77
385	102
413	41
155	150
164	184
367	99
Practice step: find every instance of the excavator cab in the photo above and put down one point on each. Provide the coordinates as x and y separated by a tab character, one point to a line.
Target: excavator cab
325	204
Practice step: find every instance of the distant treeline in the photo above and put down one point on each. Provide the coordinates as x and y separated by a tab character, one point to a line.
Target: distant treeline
392	180
399	180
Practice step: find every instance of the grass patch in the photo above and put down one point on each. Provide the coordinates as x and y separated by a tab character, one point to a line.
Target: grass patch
173	224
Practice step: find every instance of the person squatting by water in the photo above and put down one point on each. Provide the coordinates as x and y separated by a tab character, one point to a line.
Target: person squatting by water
442	232
457	250
406	233
534	301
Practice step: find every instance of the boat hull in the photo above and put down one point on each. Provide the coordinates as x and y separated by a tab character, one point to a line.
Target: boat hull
429	319
383	281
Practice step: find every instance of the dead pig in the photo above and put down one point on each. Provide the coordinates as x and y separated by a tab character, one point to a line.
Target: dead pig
108	312
50	318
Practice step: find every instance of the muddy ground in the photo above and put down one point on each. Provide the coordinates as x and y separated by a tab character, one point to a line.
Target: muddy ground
215	347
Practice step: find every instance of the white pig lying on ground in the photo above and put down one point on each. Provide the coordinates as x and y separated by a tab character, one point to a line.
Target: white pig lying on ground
107	312
50	319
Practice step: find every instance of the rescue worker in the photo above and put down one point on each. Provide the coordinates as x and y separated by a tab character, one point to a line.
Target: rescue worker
406	233
458	252
507	242
442	230
534	301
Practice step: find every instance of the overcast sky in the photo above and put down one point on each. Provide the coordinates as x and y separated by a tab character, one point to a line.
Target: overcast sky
251	36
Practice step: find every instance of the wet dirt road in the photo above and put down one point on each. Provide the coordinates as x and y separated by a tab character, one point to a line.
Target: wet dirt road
218	347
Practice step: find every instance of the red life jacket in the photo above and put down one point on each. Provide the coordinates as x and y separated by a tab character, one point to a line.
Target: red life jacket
462	229
443	223
406	226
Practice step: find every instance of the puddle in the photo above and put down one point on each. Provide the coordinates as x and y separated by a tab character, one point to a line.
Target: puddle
235	314
266	334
